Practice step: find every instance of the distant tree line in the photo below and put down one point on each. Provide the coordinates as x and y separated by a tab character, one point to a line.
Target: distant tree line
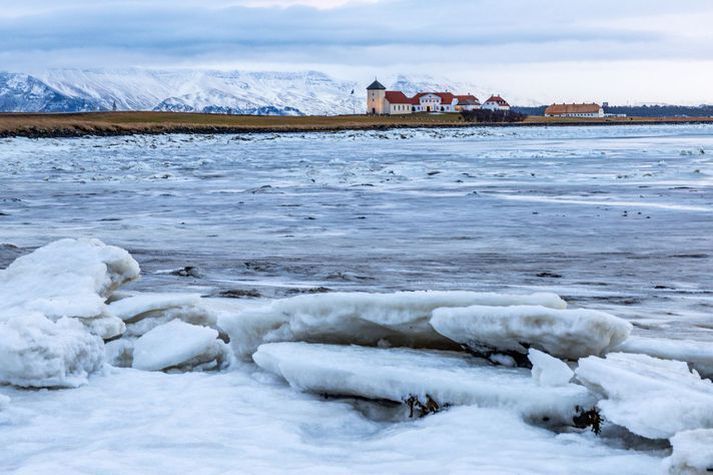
486	115
639	111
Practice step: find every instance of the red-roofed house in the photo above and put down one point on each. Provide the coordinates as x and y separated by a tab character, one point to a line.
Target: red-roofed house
496	103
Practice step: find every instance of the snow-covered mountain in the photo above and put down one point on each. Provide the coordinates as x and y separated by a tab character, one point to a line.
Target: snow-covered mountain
232	92
220	92
25	93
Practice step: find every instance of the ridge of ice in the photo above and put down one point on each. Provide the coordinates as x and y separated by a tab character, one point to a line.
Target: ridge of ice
396	374
651	397
398	319
569	334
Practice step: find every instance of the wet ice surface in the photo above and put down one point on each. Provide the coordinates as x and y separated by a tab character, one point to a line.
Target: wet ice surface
612	218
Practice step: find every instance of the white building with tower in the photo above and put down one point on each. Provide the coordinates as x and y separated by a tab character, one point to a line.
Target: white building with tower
379	101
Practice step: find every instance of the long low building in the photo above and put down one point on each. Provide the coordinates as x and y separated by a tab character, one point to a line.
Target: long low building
383	102
574	110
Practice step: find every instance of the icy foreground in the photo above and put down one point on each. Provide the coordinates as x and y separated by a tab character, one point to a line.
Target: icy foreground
61	319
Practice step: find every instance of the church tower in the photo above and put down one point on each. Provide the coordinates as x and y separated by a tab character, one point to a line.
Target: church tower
375	96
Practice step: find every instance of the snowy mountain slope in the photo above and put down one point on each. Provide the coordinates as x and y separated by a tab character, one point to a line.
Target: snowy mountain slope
24	93
210	91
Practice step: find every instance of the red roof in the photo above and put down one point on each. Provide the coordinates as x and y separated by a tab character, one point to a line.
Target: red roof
468	99
446	97
397	97
498	100
558	109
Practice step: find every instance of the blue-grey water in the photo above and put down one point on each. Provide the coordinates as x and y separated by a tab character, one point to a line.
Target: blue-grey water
616	218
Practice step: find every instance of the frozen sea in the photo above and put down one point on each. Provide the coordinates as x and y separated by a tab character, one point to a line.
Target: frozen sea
618	219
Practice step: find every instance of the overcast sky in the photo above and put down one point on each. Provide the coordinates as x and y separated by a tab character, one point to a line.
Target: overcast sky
546	50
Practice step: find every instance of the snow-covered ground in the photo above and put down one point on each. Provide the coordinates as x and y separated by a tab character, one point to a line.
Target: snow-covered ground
230	230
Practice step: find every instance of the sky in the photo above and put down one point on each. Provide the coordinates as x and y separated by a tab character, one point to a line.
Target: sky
620	51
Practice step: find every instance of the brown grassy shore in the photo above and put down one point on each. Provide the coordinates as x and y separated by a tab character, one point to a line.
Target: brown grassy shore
127	123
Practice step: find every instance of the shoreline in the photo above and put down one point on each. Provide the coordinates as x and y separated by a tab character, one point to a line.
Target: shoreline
112	124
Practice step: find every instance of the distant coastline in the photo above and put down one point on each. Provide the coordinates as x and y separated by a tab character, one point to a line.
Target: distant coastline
157	123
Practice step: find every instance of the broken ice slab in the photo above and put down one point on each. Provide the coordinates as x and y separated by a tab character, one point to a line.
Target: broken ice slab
397	319
424	377
569	334
699	354
651	397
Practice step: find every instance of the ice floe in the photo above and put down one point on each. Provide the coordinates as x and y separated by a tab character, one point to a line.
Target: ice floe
68	278
37	352
692	453
426	379
398	319
699	354
651	397
563	333
179	345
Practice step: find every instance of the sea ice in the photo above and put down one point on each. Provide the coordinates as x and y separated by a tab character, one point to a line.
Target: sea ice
569	334
37	352
68	278
692	453
429	378
398	319
699	354
179	345
549	371
143	312
651	397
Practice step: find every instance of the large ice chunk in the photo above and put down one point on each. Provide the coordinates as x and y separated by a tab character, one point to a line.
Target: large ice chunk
692	453
698	353
429	376
651	397
179	345
37	352
567	334
67	278
399	319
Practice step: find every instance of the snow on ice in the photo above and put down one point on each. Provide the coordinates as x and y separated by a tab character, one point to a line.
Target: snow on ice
398	319
68	278
651	397
692	453
698	354
430	379
37	352
567	334
549	371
